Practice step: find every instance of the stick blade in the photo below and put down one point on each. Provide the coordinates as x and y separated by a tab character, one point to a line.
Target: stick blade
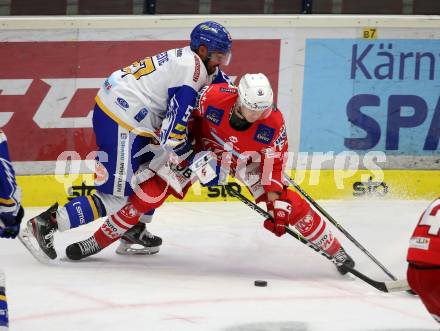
397	286
389	286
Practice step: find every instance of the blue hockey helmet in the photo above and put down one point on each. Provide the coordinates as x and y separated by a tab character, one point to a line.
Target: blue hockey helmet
213	35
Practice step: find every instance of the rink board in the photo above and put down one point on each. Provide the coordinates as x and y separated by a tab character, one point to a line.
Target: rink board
43	190
343	82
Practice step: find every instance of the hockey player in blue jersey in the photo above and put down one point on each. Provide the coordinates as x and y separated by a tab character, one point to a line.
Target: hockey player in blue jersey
146	103
11	214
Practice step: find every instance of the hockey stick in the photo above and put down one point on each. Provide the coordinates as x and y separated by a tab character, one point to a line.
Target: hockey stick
323	212
339	226
391	286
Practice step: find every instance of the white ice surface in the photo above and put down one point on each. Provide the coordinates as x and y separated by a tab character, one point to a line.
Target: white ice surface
203	277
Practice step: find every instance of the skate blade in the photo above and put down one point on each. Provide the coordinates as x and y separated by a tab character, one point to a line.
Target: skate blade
28	240
130	250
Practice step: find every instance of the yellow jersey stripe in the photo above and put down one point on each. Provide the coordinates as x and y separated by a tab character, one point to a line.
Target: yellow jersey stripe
180	127
177	136
3	298
93	206
121	122
8	202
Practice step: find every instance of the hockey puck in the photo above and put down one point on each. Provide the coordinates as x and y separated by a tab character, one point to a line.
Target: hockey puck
260	283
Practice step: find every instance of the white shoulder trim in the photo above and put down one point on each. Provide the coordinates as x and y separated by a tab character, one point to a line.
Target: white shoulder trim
2	137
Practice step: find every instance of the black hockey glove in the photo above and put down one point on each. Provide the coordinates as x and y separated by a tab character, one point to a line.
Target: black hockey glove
10	225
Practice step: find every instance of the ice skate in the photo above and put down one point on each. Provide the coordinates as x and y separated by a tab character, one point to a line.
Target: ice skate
83	249
43	228
138	240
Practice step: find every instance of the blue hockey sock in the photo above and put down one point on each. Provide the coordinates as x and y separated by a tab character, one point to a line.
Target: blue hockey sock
80	211
3	308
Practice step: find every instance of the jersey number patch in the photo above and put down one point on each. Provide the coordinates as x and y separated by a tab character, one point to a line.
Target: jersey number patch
432	220
140	68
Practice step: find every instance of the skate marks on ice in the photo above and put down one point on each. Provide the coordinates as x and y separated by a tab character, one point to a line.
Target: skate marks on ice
180	279
296	326
270	326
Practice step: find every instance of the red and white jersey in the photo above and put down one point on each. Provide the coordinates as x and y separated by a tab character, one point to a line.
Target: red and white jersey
263	144
424	245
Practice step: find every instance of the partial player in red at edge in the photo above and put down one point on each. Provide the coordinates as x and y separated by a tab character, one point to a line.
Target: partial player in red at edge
424	259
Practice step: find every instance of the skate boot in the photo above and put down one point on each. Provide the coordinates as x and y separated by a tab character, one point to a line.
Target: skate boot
137	236
43	228
343	259
82	249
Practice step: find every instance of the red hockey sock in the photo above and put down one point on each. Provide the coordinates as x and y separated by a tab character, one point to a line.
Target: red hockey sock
151	194
315	229
116	225
310	224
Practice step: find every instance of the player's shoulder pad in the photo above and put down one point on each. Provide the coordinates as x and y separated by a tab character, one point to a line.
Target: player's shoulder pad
217	95
188	67
276	121
276	118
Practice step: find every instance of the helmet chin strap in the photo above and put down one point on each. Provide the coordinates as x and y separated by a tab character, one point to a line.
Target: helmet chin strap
238	123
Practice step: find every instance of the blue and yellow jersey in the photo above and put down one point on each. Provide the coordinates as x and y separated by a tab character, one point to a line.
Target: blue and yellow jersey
156	94
10	193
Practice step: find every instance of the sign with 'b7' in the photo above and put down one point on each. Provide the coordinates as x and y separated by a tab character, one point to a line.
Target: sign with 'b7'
47	89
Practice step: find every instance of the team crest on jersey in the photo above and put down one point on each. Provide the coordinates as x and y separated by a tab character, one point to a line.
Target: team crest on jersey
214	115
179	52
264	134
122	103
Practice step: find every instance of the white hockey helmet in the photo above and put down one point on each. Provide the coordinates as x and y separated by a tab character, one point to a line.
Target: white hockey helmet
255	92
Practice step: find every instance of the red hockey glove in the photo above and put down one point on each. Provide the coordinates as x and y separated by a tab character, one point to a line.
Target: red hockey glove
281	213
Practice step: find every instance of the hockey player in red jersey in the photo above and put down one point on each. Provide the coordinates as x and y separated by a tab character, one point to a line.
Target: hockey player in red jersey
247	134
424	259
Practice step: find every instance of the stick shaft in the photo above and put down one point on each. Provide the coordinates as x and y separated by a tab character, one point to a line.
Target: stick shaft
339	227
